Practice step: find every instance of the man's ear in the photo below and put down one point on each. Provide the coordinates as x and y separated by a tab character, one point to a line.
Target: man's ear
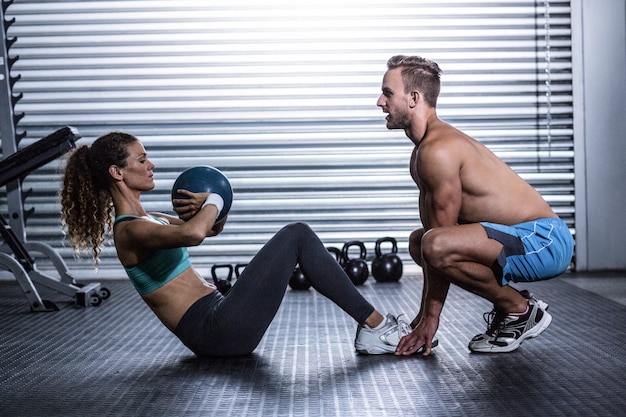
115	172
415	98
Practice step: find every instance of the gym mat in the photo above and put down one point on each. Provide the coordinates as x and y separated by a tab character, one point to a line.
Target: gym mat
118	360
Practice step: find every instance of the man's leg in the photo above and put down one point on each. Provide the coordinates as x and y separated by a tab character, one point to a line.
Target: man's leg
464	255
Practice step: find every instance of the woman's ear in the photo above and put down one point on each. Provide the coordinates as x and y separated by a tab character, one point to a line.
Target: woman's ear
115	172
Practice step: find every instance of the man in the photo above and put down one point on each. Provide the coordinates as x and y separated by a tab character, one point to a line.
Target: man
484	226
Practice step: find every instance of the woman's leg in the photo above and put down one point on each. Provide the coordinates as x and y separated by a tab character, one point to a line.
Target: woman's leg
246	312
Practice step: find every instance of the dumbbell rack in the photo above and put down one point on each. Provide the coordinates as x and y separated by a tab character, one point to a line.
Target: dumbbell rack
8	122
20	263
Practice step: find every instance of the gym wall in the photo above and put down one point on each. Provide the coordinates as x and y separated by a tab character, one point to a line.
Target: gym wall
599	60
281	96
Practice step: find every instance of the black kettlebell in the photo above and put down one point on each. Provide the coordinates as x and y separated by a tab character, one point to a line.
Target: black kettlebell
337	252
387	267
222	284
298	281
356	268
239	268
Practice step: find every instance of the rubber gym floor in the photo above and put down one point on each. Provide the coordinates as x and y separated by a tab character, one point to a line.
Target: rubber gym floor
118	360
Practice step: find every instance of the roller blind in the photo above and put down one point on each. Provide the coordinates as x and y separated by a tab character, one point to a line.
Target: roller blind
281	96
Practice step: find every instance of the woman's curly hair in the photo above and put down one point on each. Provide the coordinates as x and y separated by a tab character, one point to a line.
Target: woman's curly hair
86	201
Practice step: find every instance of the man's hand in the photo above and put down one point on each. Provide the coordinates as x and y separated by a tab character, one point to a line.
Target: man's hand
420	338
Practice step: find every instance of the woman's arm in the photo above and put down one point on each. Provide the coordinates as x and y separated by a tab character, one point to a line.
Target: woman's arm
149	234
171	219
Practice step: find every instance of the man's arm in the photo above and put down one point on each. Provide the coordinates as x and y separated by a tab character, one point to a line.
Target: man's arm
438	169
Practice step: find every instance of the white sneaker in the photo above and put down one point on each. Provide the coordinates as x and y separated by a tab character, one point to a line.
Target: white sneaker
377	342
505	333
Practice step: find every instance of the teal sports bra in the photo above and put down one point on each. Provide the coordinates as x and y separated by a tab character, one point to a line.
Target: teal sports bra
159	268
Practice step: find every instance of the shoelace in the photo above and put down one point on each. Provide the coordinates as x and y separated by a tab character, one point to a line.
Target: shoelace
403	327
495	322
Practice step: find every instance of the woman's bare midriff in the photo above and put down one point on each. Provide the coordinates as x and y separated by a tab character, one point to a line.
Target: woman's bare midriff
171	301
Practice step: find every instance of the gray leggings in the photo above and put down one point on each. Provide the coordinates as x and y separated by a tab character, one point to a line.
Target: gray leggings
234	324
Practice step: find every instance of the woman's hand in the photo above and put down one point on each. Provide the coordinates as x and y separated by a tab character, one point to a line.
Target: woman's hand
186	208
218	227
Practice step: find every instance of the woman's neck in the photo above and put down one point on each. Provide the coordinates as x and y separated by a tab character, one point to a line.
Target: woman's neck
126	202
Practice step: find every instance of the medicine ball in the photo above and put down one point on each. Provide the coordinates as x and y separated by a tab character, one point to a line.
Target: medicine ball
203	179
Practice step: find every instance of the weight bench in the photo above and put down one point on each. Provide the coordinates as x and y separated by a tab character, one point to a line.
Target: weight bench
21	264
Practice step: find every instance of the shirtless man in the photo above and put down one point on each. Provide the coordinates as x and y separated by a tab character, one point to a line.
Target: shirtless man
484	226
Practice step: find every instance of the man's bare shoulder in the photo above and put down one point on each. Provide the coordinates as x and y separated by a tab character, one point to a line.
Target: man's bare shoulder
444	140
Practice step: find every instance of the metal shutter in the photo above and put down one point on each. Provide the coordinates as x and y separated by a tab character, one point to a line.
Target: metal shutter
282	97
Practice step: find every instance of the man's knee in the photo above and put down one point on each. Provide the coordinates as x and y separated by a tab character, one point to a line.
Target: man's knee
435	251
415	245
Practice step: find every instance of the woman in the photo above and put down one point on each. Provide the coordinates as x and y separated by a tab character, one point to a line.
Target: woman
110	176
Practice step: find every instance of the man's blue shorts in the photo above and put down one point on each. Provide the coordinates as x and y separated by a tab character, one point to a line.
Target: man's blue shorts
536	250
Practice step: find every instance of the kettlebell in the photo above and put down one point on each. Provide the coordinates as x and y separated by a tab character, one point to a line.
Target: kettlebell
298	281
387	267
239	268
222	284
356	268
337	252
